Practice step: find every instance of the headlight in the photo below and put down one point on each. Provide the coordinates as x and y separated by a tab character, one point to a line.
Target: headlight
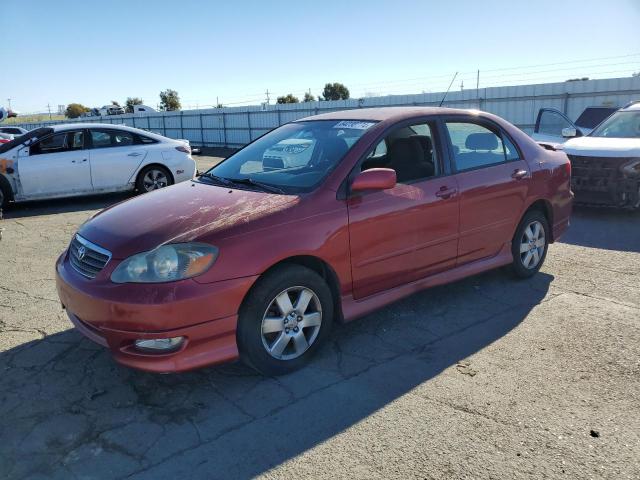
632	168
166	263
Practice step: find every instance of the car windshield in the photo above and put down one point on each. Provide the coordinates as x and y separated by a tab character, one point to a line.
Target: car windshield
293	158
622	124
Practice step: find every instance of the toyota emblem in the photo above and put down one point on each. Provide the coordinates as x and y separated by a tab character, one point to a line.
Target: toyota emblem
81	253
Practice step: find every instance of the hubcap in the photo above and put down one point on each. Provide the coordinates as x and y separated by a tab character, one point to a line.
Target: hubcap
291	323
154	179
532	245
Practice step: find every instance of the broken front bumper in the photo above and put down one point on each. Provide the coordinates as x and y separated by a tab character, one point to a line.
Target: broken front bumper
603	181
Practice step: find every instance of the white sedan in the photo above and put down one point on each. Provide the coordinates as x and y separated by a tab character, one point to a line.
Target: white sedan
90	158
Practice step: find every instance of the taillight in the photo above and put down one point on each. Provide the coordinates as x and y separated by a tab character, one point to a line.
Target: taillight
184	149
567	169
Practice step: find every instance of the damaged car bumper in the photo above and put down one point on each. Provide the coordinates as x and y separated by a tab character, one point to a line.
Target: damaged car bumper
606	181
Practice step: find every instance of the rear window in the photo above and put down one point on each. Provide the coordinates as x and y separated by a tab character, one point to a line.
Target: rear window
593	116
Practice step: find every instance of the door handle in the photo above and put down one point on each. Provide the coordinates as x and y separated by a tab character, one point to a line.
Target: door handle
519	174
134	154
445	192
83	160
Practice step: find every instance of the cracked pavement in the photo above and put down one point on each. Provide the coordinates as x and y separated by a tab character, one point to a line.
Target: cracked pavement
485	378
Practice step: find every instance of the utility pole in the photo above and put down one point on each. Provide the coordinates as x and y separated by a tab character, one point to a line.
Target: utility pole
267	93
462	85
49	108
9	101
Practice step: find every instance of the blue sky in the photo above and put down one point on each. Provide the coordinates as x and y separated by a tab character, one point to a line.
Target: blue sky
93	52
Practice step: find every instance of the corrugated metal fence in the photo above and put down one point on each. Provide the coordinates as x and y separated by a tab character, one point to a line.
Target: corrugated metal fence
236	126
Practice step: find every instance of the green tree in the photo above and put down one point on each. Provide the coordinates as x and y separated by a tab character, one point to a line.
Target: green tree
169	100
74	110
289	98
309	98
131	101
113	102
335	91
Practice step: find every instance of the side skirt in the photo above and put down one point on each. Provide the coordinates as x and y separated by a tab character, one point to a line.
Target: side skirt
353	308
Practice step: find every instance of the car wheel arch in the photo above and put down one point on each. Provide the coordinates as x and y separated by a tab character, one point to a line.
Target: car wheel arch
153	164
319	266
544	206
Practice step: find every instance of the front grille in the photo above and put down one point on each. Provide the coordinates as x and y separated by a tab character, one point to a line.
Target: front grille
87	258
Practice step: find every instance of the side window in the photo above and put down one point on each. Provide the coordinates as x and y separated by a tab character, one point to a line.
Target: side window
410	151
146	140
100	139
111	138
54	143
121	139
75	140
552	123
475	146
510	149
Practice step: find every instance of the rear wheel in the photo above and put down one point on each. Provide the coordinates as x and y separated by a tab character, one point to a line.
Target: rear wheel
152	178
529	245
284	320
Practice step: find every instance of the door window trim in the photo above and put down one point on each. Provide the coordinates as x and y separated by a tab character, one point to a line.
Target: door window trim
344	191
493	127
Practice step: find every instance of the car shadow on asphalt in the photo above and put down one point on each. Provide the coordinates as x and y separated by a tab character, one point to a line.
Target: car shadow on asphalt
64	205
66	409
592	227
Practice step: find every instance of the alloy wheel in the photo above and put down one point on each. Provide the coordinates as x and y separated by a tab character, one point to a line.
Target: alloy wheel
291	323
154	179
532	245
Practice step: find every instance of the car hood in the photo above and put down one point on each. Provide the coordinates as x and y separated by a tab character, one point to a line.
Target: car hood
184	212
603	147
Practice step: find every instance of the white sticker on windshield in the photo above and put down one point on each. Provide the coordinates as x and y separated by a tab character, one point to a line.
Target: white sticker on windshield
354	124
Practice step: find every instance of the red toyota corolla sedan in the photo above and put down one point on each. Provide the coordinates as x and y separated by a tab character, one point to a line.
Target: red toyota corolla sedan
321	220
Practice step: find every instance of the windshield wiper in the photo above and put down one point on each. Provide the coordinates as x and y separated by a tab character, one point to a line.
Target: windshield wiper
217	179
255	183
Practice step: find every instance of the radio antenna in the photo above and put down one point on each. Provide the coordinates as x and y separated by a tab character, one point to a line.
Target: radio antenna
445	93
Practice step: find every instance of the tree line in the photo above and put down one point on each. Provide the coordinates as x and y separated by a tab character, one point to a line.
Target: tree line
170	100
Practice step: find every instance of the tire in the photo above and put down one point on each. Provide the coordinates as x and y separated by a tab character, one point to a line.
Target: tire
530	243
153	177
269	337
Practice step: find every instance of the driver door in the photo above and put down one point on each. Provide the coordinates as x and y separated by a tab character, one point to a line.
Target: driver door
410	231
56	165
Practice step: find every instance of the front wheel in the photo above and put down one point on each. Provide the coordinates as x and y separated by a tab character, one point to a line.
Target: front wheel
529	245
152	178
284	320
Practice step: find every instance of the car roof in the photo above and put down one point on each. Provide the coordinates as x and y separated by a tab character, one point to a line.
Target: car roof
387	113
633	106
111	126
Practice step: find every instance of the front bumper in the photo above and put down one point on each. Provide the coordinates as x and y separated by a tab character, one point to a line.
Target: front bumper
205	314
600	181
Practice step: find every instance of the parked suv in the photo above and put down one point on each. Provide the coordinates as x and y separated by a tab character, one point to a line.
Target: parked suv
606	161
257	261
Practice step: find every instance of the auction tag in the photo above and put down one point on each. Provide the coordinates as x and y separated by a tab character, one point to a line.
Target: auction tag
354	124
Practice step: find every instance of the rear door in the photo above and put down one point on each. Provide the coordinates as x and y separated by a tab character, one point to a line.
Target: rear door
410	231
57	164
115	157
549	126
493	180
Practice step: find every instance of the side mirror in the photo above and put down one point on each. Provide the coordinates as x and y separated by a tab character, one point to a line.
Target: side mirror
374	179
569	132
